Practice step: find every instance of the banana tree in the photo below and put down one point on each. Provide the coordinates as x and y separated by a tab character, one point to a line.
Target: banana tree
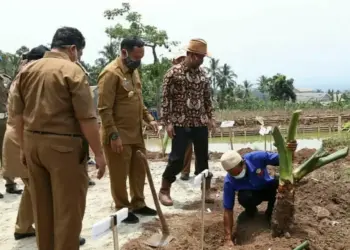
283	213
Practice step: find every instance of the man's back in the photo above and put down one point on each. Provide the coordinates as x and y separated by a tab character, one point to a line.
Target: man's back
55	92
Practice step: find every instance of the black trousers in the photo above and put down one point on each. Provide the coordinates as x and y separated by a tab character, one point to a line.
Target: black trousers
199	137
250	199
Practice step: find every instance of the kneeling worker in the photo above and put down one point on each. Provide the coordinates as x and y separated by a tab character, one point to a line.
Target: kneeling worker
248	176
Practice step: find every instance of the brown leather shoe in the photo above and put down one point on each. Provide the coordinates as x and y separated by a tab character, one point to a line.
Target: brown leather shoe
209	197
164	194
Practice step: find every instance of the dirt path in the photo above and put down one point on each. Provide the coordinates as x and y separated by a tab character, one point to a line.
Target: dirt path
99	206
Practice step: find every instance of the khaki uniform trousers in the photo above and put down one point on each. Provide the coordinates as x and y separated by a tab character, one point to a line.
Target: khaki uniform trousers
120	167
13	167
188	159
58	184
25	218
10	181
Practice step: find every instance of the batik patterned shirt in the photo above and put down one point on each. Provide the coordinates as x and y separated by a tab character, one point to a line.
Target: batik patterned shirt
186	97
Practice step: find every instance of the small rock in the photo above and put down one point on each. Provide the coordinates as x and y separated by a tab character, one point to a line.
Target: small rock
287	235
321	212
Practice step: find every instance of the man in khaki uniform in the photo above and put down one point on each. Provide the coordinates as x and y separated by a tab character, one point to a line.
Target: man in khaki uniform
11	160
121	110
54	110
10	185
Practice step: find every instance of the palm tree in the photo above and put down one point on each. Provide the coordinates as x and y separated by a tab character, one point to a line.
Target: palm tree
226	82
214	72
110	51
247	86
226	77
263	85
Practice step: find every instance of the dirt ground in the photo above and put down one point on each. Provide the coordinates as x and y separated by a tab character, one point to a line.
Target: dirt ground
322	217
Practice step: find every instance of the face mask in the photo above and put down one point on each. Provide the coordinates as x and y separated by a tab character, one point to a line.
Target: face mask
241	175
131	64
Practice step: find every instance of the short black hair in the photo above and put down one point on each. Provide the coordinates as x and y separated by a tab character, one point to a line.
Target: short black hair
68	36
36	53
130	43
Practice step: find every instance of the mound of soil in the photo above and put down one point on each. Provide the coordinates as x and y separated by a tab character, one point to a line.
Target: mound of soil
322	217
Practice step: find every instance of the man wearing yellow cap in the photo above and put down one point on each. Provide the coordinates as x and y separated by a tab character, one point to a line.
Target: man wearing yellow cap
187	113
249	177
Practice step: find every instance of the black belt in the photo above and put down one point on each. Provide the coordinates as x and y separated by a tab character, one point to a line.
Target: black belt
50	133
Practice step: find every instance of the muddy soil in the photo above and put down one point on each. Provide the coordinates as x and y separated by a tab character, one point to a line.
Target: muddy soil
322	216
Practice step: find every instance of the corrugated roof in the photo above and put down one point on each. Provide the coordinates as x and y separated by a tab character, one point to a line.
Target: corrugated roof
309	97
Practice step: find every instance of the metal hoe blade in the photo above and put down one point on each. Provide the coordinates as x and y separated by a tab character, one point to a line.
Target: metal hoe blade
159	240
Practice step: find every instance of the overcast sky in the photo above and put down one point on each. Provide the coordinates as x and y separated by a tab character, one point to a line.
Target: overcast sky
308	40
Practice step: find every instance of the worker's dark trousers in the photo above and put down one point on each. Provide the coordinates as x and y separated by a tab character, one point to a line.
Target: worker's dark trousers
250	199
183	136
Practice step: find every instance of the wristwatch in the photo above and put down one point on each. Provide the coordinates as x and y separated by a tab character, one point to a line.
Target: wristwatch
114	136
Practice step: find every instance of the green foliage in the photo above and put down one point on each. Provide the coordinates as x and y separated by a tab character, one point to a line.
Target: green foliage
9	62
152	80
151	35
278	87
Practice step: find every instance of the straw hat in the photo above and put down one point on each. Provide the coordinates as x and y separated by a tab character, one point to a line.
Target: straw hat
230	159
198	46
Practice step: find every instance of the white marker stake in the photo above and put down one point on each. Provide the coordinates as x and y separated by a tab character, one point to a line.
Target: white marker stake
228	124
111	223
197	181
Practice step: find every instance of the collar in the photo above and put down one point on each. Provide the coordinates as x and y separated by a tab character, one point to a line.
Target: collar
122	66
61	55
187	69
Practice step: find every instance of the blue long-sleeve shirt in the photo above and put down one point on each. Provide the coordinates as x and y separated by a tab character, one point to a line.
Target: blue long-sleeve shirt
257	176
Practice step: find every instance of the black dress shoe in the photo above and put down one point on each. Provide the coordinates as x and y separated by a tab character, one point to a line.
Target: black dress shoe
19	236
1	196
91	183
131	219
145	211
185	176
12	189
81	241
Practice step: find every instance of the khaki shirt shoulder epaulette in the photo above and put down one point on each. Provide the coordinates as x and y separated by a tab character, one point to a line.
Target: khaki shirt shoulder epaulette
53	95
120	103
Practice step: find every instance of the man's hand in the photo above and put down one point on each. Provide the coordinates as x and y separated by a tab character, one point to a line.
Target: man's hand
117	145
170	130
22	158
154	125
212	125
292	145
100	165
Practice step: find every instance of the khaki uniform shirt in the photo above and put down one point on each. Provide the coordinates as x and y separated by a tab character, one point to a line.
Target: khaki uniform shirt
53	94
120	103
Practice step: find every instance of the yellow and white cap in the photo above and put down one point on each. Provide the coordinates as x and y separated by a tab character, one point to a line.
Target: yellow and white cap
230	159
